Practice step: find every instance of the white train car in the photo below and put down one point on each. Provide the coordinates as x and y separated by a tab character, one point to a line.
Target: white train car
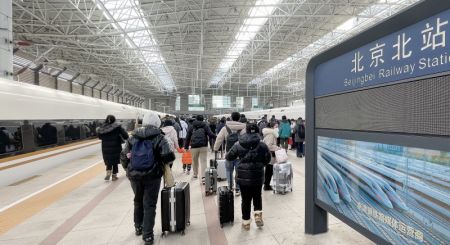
21	101
292	112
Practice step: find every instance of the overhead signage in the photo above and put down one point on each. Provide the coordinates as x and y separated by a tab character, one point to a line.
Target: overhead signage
418	50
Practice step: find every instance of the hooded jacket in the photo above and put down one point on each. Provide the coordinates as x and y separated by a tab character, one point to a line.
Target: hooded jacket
112	136
253	155
223	134
196	125
161	148
171	135
270	138
285	129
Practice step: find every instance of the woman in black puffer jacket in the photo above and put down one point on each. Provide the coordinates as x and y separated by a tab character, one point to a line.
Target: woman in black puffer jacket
253	156
112	136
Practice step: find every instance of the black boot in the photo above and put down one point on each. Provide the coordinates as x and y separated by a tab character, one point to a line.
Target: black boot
138	231
268	188
149	240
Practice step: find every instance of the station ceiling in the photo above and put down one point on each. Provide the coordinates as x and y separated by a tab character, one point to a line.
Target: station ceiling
168	47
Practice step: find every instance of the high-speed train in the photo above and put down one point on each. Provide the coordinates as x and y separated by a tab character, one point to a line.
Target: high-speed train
369	183
334	184
32	117
292	112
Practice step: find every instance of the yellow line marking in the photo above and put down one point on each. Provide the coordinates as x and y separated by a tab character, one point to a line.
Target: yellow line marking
18	213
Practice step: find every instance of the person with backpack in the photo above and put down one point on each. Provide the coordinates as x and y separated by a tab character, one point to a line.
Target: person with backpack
299	132
270	139
197	138
262	124
284	132
171	135
228	136
144	158
112	136
253	155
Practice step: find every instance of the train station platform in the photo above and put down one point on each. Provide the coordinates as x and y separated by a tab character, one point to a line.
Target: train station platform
72	204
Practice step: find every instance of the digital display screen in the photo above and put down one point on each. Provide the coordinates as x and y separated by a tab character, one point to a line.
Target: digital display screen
399	193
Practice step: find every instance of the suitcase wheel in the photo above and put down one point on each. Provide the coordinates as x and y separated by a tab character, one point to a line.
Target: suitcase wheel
188	223
182	233
163	234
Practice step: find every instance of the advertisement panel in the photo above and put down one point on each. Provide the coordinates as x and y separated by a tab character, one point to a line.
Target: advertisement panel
399	193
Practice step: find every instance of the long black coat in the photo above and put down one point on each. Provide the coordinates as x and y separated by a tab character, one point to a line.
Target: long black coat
112	136
253	156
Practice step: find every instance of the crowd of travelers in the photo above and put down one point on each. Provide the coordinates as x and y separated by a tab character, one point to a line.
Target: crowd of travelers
149	152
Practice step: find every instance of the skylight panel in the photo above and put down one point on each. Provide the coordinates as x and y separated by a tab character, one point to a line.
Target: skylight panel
353	25
257	18
127	17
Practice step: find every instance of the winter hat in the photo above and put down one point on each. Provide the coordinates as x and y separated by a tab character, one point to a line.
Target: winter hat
151	119
252	128
168	122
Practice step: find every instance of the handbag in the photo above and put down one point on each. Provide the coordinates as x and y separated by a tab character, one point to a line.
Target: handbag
281	156
168	176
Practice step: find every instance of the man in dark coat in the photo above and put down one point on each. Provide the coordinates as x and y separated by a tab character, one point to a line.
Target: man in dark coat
112	136
253	156
146	183
198	138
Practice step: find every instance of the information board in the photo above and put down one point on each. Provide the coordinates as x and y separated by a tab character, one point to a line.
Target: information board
378	145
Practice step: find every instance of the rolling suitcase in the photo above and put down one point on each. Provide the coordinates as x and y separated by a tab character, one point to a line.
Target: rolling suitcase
226	205
282	178
221	170
175	208
210	181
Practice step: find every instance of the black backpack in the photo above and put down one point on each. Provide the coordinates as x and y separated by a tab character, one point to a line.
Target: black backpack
199	137
232	138
301	131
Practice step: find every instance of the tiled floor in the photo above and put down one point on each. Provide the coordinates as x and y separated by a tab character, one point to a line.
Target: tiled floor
111	221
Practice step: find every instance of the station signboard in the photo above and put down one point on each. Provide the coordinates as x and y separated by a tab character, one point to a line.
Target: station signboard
378	153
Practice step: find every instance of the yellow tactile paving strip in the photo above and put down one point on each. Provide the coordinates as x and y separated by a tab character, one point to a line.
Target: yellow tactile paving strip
47	156
20	156
24	210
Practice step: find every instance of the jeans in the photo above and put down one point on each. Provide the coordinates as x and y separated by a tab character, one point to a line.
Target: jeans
199	156
284	143
300	149
145	199
268	174
250	193
230	167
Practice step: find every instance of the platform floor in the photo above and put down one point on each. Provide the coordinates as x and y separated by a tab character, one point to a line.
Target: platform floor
72	204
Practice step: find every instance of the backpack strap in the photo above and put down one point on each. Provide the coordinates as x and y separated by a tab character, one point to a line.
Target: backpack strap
228	130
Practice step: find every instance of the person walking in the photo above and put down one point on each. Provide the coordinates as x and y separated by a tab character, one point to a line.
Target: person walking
253	155
112	136
299	132
284	132
197	138
270	135
229	135
171	135
183	133
143	158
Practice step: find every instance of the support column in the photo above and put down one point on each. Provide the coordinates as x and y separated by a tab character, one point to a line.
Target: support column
6	37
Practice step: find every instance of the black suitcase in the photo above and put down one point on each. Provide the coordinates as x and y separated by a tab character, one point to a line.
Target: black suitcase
175	208
226	205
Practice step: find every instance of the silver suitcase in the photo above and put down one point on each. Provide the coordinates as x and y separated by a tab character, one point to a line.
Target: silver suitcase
221	170
282	178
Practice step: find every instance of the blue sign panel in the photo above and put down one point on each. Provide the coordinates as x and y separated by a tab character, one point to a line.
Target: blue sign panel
418	50
398	193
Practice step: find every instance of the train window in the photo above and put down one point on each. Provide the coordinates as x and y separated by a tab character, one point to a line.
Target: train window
10	139
45	134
